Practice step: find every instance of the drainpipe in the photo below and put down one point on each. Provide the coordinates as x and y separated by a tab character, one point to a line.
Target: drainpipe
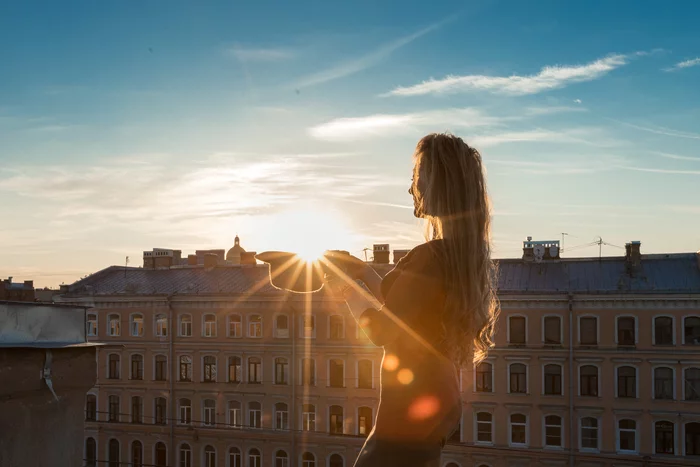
293	381
171	376
571	380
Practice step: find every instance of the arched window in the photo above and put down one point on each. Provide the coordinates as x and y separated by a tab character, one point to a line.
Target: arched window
209	325
308	460
552	431
518	429
518	378
136	409
234	457
185	412
308	372
255	326
336	368
281	459
336	460
161	368
364	374
136	325
161	325
588	330
91	408
114	408
114	325
663	383
209	456
161	455
92	325
90	452
209	375
185	326
308	417
627	435
114	367
235	326
161	411
185	455
308	326
185	368
663	330
282	328
484	427
137	367
626	332
281	370
335	421
627	381
552	380
664	437
451	464
235	369
589	380
337	325
691	330
254	458
364	421
552	330
254	370
484	377
517	330
692	439
113	454
209	412
692	384
281	416
589	433
254	414
235	416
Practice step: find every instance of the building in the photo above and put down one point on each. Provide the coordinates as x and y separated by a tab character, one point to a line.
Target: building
17	292
597	363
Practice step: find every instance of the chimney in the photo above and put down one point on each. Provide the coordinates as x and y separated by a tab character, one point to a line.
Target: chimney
210	260
633	257
192	260
149	261
381	253
28	284
398	254
528	250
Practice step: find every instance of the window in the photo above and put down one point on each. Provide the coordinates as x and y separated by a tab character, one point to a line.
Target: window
209	328
516	330
588	329
663	383
308	326
281	459
113	325
308	460
308	372
209	418
235	370
185	368
90	452
552	380
254	414
185	326
692	439
364	421
552	431
113	371
484	427
254	458
282	326
663	330
589	380
518	429
160	405
626	381
255	326
137	367
626	334
281	371
664	438
234	457
136	409
209	456
337	373
337	326
136	325
235	414
308	417
254	370
136	454
113	409
589	433
518	378
113	454
552	330
336	420
161	326
281	416
185	412
364	374
692	384
235	326
627	435
185	455
691	330
484	377
161	364
161	455
335	461
209	375
92	329
91	408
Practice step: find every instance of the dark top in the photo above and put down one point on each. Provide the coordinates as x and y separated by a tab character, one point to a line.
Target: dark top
420	403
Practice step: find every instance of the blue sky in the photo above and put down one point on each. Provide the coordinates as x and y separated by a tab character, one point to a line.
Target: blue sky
126	127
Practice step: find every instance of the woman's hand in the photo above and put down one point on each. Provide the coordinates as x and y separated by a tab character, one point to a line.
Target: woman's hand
352	267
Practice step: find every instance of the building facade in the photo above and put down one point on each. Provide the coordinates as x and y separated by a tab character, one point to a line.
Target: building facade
597	363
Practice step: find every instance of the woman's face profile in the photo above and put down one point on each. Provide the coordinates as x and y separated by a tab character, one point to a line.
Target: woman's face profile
416	189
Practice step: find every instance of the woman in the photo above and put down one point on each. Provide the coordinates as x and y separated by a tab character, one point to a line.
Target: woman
434	312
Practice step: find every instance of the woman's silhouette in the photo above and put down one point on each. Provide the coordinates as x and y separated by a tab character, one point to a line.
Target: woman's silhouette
437	311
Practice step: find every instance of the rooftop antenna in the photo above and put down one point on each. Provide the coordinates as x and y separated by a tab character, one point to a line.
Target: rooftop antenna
365	250
126	265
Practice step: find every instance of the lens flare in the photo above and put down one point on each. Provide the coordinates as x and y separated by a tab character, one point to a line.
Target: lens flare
423	408
391	362
405	376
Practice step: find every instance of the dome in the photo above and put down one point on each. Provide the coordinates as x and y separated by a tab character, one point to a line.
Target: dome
234	254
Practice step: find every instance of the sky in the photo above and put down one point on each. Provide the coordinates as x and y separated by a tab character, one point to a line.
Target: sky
131	125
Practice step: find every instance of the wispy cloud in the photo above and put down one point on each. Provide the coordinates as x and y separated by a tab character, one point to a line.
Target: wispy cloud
677	157
355	65
554	110
550	77
589	136
662	171
349	129
253	54
658	130
559	166
684	64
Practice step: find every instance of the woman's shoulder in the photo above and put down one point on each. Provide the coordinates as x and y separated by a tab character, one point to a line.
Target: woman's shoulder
427	255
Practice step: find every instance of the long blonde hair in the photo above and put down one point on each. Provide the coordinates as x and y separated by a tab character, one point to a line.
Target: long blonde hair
453	199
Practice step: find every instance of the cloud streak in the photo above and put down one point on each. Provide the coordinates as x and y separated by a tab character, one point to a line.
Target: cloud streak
549	77
659	130
684	64
679	158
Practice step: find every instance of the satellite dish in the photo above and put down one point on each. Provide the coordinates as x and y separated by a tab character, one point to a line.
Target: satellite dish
553	251
538	250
